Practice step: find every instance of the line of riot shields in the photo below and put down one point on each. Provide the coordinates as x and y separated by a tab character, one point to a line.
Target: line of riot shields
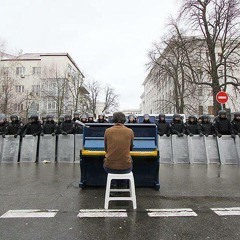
196	141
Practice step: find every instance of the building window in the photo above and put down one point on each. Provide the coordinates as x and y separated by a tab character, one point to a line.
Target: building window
18	107
36	70
210	110
20	70
51	106
200	110
36	89
19	88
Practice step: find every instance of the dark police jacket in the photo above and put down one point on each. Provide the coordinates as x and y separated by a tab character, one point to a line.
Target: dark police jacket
67	127
49	127
33	128
206	128
192	128
222	126
163	128
235	126
177	127
3	128
14	128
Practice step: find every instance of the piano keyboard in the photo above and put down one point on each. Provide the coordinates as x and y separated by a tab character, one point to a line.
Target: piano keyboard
132	153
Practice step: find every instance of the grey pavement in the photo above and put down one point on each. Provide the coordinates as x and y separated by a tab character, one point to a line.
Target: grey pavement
55	186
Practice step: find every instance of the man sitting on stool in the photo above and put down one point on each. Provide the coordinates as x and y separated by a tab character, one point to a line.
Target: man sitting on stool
118	142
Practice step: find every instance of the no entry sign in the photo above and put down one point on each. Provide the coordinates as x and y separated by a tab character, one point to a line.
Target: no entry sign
222	97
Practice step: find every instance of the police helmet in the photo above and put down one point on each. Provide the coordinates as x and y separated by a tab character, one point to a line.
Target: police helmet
146	116
84	116
161	115
34	116
101	115
14	116
237	114
222	112
2	116
192	117
131	116
61	117
49	116
205	117
76	114
176	115
67	116
90	115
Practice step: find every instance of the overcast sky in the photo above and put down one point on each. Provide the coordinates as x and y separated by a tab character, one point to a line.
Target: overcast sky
108	39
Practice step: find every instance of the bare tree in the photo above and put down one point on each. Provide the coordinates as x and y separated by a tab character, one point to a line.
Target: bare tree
167	61
55	89
110	99
219	23
75	89
90	101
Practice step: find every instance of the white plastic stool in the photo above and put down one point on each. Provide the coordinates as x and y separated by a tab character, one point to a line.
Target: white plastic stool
131	189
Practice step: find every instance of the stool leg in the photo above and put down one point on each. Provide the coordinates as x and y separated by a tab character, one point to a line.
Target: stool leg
133	193
107	193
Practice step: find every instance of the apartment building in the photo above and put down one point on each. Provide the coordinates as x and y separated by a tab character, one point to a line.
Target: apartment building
40	83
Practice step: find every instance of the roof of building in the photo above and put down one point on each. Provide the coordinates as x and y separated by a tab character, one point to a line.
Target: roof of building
37	56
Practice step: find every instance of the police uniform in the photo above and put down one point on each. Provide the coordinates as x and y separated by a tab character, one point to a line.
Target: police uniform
177	126
206	127
222	124
33	127
162	126
49	127
68	126
15	127
191	127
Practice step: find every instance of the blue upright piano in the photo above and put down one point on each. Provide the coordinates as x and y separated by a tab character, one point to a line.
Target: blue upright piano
145	155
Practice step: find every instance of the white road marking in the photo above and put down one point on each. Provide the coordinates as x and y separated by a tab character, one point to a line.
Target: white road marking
30	213
178	212
235	211
93	213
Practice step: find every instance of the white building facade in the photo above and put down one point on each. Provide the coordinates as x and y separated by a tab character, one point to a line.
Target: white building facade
159	93
40	83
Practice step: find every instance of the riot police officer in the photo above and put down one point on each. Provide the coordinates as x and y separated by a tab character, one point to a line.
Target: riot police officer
101	118
90	118
132	119
15	127
68	126
76	116
84	118
177	126
222	124
60	121
146	118
236	124
44	119
33	127
206	127
3	124
191	127
79	127
49	127
162	126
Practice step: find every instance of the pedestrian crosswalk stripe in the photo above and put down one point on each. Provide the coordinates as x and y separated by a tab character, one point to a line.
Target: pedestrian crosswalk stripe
178	212
91	213
235	211
30	213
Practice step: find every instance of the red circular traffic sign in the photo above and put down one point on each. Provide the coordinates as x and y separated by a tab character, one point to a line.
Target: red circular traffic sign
222	97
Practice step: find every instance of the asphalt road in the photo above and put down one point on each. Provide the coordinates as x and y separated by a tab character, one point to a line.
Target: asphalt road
55	187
